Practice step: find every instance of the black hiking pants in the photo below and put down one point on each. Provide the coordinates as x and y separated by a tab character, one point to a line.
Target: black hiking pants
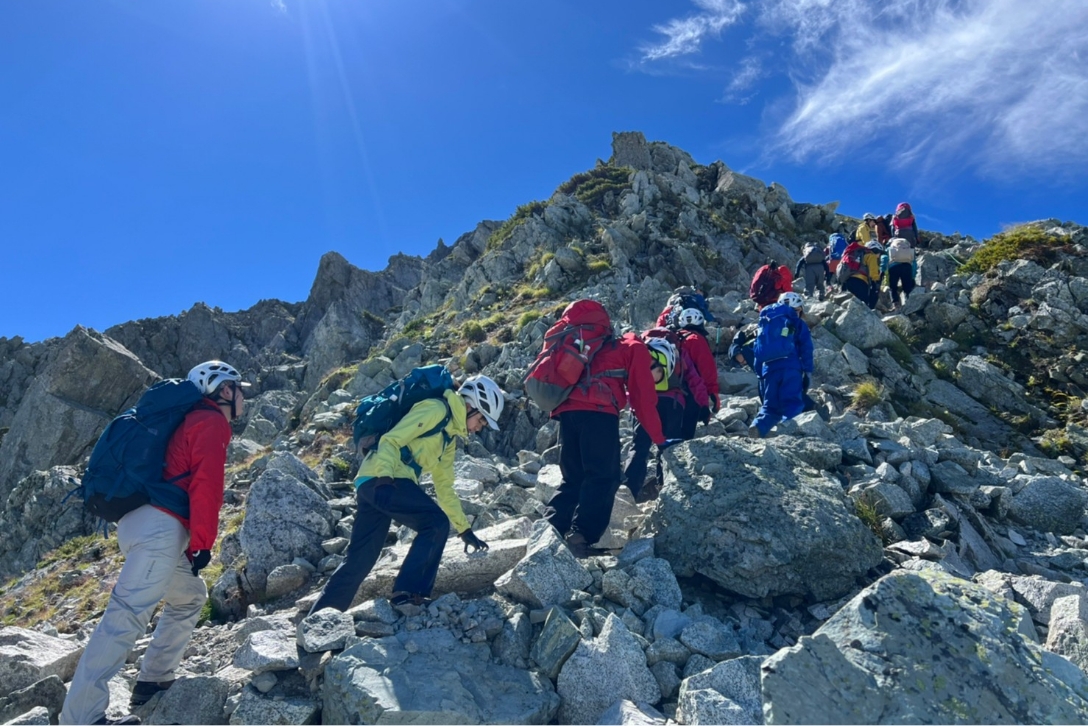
671	413
901	274
380	502
589	457
860	290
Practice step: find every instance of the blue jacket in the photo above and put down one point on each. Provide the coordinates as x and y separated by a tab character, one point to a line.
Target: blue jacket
801	358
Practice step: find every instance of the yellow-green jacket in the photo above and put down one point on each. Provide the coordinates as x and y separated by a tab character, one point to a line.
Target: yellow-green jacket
870	267
432	454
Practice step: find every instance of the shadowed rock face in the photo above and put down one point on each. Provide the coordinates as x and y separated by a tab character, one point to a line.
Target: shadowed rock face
922	648
757	524
88	380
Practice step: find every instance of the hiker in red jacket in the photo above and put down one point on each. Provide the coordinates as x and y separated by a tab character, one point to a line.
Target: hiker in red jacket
164	554
690	324
589	437
769	282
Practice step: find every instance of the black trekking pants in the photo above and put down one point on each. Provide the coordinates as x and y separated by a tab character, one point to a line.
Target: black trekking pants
671	413
860	289
589	457
401	501
901	274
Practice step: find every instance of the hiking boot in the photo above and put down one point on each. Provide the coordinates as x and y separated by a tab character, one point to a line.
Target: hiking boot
408	603
576	543
126	719
144	690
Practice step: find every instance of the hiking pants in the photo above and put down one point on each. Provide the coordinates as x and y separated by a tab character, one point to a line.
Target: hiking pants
782	395
671	413
860	290
404	502
153	543
814	280
901	273
589	458
693	414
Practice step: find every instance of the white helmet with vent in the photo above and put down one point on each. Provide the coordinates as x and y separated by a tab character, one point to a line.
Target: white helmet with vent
485	396
690	316
209	375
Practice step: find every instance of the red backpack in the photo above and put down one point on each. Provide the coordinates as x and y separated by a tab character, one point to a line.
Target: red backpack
569	348
764	289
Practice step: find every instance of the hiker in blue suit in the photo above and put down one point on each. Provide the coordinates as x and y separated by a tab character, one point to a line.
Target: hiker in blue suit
783	362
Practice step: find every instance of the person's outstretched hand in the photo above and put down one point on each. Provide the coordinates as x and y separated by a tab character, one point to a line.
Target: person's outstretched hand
471	540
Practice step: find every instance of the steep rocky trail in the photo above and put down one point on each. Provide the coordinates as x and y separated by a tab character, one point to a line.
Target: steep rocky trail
940	483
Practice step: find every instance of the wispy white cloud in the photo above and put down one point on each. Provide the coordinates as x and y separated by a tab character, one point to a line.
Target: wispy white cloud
1000	86
684	36
746	76
279	6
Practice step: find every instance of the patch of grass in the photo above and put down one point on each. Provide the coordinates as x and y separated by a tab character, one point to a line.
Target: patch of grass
1056	442
599	265
210	575
866	509
1026	242
89	547
41	598
592	186
473	332
339	377
527	317
532	293
901	354
867	394
520	217
234	524
372	318
341	466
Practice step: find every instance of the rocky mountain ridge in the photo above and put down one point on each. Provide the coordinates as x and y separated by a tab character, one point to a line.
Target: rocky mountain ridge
928	497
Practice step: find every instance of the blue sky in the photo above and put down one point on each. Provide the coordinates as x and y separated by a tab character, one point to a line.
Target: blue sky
154	154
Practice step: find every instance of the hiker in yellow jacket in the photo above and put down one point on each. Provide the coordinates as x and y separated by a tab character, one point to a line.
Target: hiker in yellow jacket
387	490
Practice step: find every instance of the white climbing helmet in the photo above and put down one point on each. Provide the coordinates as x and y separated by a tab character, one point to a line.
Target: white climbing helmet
209	375
666	354
792	299
690	316
485	396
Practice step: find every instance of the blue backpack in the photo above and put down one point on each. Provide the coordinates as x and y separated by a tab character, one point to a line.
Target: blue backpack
380	412
837	245
688	297
125	469
777	328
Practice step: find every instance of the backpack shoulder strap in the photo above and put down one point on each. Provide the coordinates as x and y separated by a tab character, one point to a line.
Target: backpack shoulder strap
406	453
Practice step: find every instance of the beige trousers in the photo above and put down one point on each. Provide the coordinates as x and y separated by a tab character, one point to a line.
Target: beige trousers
155	569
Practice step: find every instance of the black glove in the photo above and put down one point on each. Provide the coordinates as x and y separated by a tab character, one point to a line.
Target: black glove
715	404
704	415
804	381
471	540
199	560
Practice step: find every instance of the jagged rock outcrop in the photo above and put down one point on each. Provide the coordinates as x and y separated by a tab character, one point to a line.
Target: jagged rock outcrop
36	519
922	647
284	519
88	380
758	524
